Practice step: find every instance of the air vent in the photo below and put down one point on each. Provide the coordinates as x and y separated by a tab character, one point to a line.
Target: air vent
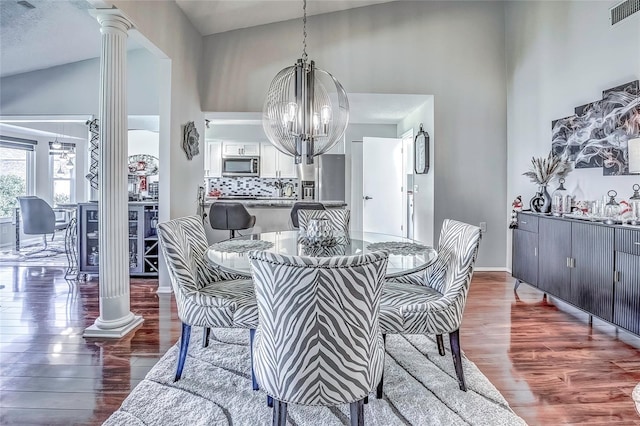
623	11
26	4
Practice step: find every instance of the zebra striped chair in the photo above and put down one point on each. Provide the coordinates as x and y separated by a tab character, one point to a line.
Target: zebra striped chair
318	341
205	296
302	205
339	218
433	302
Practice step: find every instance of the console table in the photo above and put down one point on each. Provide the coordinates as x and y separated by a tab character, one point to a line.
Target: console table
590	265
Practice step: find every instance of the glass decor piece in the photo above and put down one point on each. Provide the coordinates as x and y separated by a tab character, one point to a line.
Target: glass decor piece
612	208
560	200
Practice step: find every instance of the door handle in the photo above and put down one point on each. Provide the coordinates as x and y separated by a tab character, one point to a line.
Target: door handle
366	197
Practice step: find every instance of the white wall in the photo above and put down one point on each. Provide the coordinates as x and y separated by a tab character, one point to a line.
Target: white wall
561	55
236	132
424	183
73	88
452	50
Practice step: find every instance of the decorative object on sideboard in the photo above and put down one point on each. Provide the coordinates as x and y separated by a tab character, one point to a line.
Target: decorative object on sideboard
599	132
560	200
421	151
190	140
612	208
94	152
542	172
306	110
634	155
516	207
634	202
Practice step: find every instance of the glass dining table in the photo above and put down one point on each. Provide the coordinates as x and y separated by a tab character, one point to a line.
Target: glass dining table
406	256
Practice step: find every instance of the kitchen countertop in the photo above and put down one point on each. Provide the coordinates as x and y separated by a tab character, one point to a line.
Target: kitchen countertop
131	203
271	202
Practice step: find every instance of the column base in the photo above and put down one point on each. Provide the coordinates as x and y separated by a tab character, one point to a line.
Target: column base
164	290
113	333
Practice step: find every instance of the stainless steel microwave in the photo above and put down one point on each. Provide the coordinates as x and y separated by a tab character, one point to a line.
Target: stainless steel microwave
241	166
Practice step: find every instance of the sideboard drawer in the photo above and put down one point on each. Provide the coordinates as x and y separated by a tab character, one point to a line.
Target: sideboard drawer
527	222
628	241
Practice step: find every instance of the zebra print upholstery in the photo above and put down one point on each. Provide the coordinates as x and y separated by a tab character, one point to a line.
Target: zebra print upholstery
433	302
205	296
339	218
318	340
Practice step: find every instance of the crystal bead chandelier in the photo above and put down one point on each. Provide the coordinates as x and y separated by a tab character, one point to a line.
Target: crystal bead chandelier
306	111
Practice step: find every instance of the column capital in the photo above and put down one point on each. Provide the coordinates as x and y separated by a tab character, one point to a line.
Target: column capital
111	19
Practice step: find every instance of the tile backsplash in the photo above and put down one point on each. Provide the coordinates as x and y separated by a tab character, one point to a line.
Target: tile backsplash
250	186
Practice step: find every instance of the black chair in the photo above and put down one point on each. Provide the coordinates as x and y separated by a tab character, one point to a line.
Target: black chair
303	205
231	217
37	217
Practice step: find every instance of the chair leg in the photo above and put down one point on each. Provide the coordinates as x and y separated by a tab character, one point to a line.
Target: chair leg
254	382
279	413
454	339
184	345
357	413
44	238
381	383
269	401
206	332
440	344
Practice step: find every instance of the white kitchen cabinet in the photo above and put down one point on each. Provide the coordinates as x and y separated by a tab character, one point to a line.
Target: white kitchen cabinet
235	149
268	161
275	164
213	159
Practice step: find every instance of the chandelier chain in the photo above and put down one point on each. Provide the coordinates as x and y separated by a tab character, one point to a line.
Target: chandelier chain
304	31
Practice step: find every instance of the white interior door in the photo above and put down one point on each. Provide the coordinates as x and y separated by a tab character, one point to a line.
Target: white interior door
382	192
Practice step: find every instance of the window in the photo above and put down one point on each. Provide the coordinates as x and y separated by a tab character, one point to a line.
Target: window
63	176
16	172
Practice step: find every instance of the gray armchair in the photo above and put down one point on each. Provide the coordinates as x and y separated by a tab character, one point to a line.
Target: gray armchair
38	217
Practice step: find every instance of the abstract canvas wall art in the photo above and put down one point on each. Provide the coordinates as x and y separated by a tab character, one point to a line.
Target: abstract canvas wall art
597	135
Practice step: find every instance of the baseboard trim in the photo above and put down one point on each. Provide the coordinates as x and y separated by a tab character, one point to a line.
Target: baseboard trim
491	269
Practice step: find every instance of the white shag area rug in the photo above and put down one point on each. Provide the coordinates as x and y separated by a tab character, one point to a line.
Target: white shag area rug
420	388
33	253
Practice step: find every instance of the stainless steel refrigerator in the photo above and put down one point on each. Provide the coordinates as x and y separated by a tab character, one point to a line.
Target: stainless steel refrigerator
323	180
330	177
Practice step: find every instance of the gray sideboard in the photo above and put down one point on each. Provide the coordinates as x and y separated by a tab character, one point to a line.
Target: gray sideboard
143	239
592	266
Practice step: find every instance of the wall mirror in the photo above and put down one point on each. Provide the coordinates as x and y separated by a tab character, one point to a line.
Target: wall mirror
421	151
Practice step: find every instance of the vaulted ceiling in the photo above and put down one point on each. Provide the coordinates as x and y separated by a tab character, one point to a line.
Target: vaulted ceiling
56	32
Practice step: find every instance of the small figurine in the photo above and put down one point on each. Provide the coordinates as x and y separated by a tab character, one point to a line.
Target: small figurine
516	207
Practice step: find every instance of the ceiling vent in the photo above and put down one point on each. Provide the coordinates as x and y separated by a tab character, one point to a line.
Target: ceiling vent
26	4
623	11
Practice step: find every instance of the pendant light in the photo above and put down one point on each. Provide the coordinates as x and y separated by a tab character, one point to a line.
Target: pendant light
60	171
306	110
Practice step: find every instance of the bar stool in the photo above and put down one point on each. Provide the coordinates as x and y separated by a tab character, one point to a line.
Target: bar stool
231	217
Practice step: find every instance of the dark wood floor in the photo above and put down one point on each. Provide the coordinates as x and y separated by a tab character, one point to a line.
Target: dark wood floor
552	367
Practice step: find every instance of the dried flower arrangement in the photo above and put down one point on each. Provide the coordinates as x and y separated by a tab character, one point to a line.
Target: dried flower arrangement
544	170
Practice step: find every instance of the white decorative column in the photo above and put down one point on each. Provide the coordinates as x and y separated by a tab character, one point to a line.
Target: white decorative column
115	318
